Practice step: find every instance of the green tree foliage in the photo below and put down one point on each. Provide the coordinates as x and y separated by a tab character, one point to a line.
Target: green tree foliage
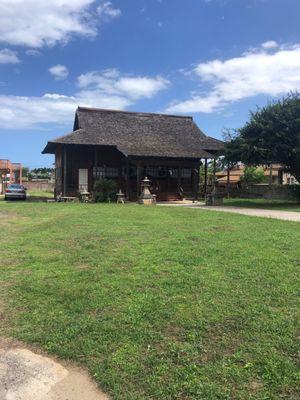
25	172
40	173
252	176
105	190
271	135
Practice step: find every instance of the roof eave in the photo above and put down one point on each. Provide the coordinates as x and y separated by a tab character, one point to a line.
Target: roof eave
50	148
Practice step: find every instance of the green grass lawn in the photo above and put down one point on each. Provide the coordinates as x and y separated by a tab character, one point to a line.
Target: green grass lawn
39	195
263	203
157	302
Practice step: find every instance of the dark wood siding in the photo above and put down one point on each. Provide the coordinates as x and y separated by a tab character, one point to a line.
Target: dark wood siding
168	176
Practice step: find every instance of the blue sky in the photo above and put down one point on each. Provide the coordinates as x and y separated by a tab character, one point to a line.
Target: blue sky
213	59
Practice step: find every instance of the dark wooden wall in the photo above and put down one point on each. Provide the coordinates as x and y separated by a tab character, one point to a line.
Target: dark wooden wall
69	159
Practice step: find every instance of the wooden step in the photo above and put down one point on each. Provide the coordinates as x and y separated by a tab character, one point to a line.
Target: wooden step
168	196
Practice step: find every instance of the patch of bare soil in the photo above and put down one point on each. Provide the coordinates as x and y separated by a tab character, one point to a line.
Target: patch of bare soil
6	216
26	375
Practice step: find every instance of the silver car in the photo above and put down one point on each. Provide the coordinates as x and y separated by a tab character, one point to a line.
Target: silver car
15	191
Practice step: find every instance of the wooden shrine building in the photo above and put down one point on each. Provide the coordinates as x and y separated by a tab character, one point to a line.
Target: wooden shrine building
126	147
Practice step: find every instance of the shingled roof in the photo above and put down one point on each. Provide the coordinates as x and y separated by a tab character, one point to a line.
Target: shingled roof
139	134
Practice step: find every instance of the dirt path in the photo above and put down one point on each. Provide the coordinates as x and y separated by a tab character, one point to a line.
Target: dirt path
257	212
26	375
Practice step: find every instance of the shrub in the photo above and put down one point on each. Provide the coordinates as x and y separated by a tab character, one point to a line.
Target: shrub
105	190
252	176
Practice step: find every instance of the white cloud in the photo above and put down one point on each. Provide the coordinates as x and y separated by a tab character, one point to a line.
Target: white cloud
8	57
107	11
107	89
112	82
263	71
33	53
60	72
21	112
271	44
38	23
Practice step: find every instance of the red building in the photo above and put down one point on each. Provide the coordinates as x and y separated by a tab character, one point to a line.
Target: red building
9	173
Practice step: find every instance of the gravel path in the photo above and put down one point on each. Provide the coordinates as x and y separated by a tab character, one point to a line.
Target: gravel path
254	212
25	375
257	212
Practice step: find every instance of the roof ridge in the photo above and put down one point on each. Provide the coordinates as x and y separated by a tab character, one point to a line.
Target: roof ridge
92	109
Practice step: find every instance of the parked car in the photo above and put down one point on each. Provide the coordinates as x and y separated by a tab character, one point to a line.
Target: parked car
15	191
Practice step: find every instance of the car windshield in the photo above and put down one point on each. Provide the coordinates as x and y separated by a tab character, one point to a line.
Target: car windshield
15	187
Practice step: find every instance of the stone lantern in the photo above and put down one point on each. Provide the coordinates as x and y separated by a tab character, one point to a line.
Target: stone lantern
85	196
146	197
120	197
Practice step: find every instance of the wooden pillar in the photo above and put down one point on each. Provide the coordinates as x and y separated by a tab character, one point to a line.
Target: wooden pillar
228	180
179	176
120	177
192	180
205	177
95	156
168	178
197	182
179	181
20	176
271	175
65	171
138	180
214	173
280	177
92	177
127	180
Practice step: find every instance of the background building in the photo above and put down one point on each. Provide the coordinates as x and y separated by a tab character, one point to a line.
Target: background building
9	173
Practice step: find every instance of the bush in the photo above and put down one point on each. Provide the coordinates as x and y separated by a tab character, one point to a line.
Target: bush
252	176
105	190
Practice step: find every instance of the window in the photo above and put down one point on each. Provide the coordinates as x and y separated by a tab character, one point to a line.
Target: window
186	173
152	171
99	172
105	172
111	172
173	172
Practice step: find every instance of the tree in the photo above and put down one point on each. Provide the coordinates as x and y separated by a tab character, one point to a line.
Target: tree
271	135
252	176
105	190
25	172
40	173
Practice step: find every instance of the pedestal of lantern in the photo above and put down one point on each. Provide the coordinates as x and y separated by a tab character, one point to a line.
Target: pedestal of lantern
85	196
120	197
146	197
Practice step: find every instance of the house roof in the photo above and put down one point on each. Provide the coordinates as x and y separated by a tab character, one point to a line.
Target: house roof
139	134
237	172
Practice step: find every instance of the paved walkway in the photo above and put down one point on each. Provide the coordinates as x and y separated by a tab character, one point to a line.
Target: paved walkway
257	212
25	375
254	212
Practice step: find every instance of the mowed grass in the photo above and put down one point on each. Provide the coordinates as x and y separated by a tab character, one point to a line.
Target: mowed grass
264	204
157	302
40	194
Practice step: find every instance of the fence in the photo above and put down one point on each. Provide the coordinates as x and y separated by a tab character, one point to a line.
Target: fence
274	192
39	186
